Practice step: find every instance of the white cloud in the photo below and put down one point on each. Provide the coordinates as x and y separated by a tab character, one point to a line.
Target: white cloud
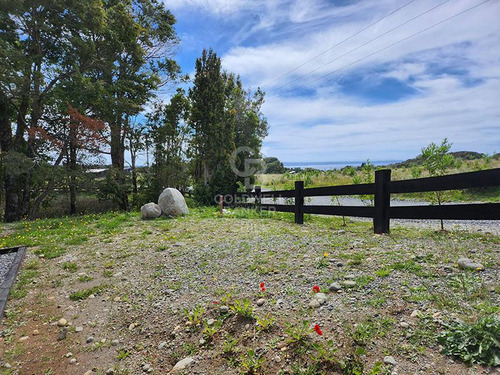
454	69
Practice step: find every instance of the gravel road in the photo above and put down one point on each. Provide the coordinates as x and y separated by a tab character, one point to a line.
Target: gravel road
6	260
491	226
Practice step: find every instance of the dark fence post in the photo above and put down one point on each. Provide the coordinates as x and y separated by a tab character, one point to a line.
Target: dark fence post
299	202
382	201
258	201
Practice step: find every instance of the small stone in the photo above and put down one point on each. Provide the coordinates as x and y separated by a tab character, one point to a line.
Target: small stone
7	365
277	359
469	264
279	301
161	345
389	360
415	313
62	322
131	326
210	322
349	283
24	338
115	342
72	361
89	372
69	355
92	296
202	341
110	371
223	310
147	367
183	364
78	329
404	325
62	334
118	274
350	276
117	299
260	302
321	297
314	303
90	339
341	231
36	332
335	287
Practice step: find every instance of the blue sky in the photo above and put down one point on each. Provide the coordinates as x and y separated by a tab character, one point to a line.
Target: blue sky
352	102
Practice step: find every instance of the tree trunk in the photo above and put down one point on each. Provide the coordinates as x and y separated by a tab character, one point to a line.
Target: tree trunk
118	162
72	168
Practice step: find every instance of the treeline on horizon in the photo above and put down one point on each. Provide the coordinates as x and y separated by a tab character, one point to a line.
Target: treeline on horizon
75	75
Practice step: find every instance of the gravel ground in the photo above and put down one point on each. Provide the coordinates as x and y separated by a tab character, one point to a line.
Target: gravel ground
148	290
491	226
6	260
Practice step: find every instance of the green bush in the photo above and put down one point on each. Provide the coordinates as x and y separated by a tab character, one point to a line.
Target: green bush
473	343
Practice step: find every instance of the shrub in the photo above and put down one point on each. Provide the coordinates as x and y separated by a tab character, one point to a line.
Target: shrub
473	343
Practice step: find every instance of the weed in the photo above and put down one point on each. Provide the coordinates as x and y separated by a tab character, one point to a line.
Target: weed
85	293
265	323
299	335
474	343
195	316
210	331
70	266
84	278
251	362
243	308
122	354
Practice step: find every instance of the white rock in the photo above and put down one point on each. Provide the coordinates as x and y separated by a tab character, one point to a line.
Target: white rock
314	303
150	211
389	360
172	203
260	302
469	264
62	322
183	364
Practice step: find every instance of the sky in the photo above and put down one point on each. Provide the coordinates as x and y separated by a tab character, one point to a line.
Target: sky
356	80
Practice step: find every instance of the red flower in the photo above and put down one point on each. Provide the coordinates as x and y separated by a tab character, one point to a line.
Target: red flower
316	289
318	330
262	287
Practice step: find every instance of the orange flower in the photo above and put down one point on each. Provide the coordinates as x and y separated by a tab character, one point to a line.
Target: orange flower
318	330
316	289
262	287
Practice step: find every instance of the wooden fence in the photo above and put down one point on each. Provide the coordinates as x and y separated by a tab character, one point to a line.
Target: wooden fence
382	189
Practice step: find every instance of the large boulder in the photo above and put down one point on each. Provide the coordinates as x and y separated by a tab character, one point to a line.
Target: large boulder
172	203
150	211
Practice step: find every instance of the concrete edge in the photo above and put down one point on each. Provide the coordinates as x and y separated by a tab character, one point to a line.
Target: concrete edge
11	275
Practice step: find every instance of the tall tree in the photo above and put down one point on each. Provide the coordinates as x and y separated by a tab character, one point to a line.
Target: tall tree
42	45
135	52
169	133
213	129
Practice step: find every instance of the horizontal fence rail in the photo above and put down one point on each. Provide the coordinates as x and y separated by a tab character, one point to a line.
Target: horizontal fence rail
382	189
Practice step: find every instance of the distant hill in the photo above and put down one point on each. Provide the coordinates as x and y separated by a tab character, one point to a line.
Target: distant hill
461	155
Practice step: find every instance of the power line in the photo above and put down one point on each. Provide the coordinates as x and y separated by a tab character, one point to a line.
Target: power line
391	45
339	43
360	46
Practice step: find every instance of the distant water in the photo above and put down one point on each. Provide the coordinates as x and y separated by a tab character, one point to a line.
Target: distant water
327	165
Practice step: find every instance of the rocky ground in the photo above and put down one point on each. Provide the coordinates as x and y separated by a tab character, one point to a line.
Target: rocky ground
186	296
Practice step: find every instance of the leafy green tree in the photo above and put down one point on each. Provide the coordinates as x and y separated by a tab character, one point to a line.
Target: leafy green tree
135	60
437	161
169	133
42	45
273	165
213	127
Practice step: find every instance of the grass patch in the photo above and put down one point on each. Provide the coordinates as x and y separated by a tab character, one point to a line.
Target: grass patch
85	293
